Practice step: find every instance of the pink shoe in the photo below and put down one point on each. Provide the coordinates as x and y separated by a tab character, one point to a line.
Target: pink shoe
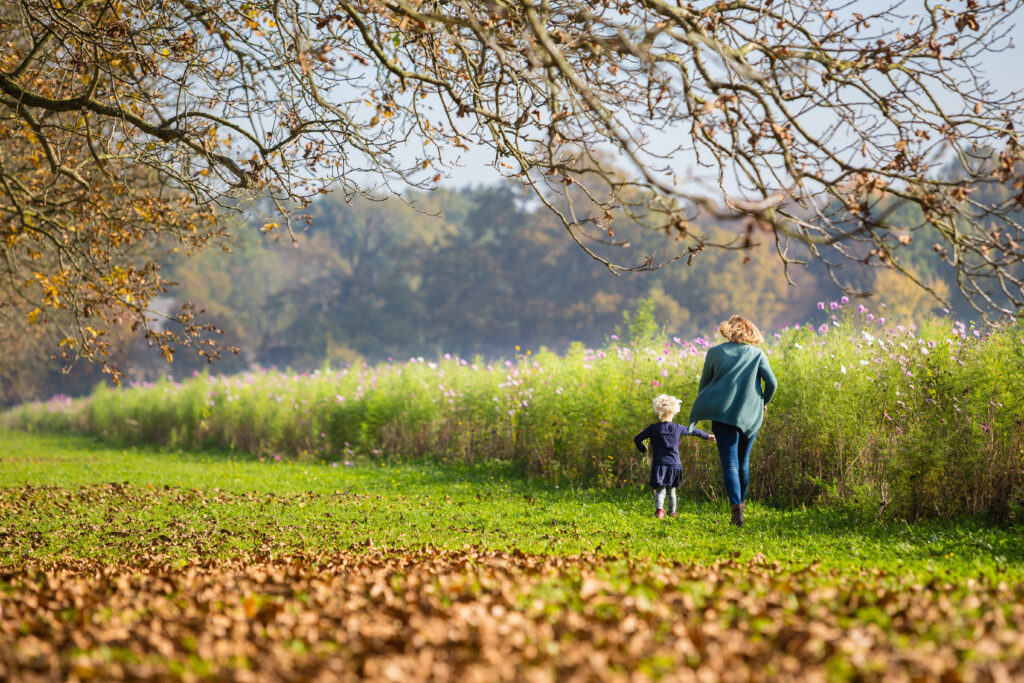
671	515
660	514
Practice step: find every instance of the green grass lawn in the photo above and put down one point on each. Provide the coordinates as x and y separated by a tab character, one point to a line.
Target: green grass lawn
74	497
148	563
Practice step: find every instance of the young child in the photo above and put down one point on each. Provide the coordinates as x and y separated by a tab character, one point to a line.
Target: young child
666	468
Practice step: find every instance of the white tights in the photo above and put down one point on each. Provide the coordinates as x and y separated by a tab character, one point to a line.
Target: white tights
659	500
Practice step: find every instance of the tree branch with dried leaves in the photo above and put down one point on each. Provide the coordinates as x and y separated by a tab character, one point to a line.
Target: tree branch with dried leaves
129	127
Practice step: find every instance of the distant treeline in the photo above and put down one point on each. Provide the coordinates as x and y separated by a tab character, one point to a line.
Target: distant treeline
472	271
479	271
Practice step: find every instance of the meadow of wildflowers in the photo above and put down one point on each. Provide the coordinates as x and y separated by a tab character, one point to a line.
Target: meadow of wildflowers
904	421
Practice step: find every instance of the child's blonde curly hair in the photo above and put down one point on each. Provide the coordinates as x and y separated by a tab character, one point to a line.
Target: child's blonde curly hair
666	406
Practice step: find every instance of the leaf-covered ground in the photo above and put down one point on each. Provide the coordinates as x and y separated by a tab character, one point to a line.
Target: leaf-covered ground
149	564
485	615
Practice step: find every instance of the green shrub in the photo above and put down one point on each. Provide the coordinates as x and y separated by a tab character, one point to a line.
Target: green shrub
913	423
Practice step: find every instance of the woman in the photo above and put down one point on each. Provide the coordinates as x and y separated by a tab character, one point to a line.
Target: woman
732	397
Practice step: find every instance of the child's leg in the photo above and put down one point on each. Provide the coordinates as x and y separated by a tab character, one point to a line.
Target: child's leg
671	501
659	499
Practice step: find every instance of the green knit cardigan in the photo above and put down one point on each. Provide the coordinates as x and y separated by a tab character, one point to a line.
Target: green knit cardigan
731	387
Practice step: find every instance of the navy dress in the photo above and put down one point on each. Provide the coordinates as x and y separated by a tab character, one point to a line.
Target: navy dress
666	468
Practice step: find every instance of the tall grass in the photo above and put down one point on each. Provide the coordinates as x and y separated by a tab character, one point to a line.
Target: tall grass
907	422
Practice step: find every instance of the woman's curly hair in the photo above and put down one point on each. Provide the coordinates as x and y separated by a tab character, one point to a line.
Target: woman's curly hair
739	329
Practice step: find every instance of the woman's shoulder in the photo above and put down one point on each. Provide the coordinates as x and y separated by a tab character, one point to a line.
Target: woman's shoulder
739	348
730	348
734	352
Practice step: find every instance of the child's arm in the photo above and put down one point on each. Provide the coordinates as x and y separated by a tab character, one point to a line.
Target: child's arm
639	440
693	431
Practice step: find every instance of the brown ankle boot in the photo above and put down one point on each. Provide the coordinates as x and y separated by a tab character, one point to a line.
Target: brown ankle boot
737	513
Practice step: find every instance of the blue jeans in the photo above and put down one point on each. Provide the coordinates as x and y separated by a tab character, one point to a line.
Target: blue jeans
734	452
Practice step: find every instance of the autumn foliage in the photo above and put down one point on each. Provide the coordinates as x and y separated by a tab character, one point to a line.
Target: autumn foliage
128	125
388	614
